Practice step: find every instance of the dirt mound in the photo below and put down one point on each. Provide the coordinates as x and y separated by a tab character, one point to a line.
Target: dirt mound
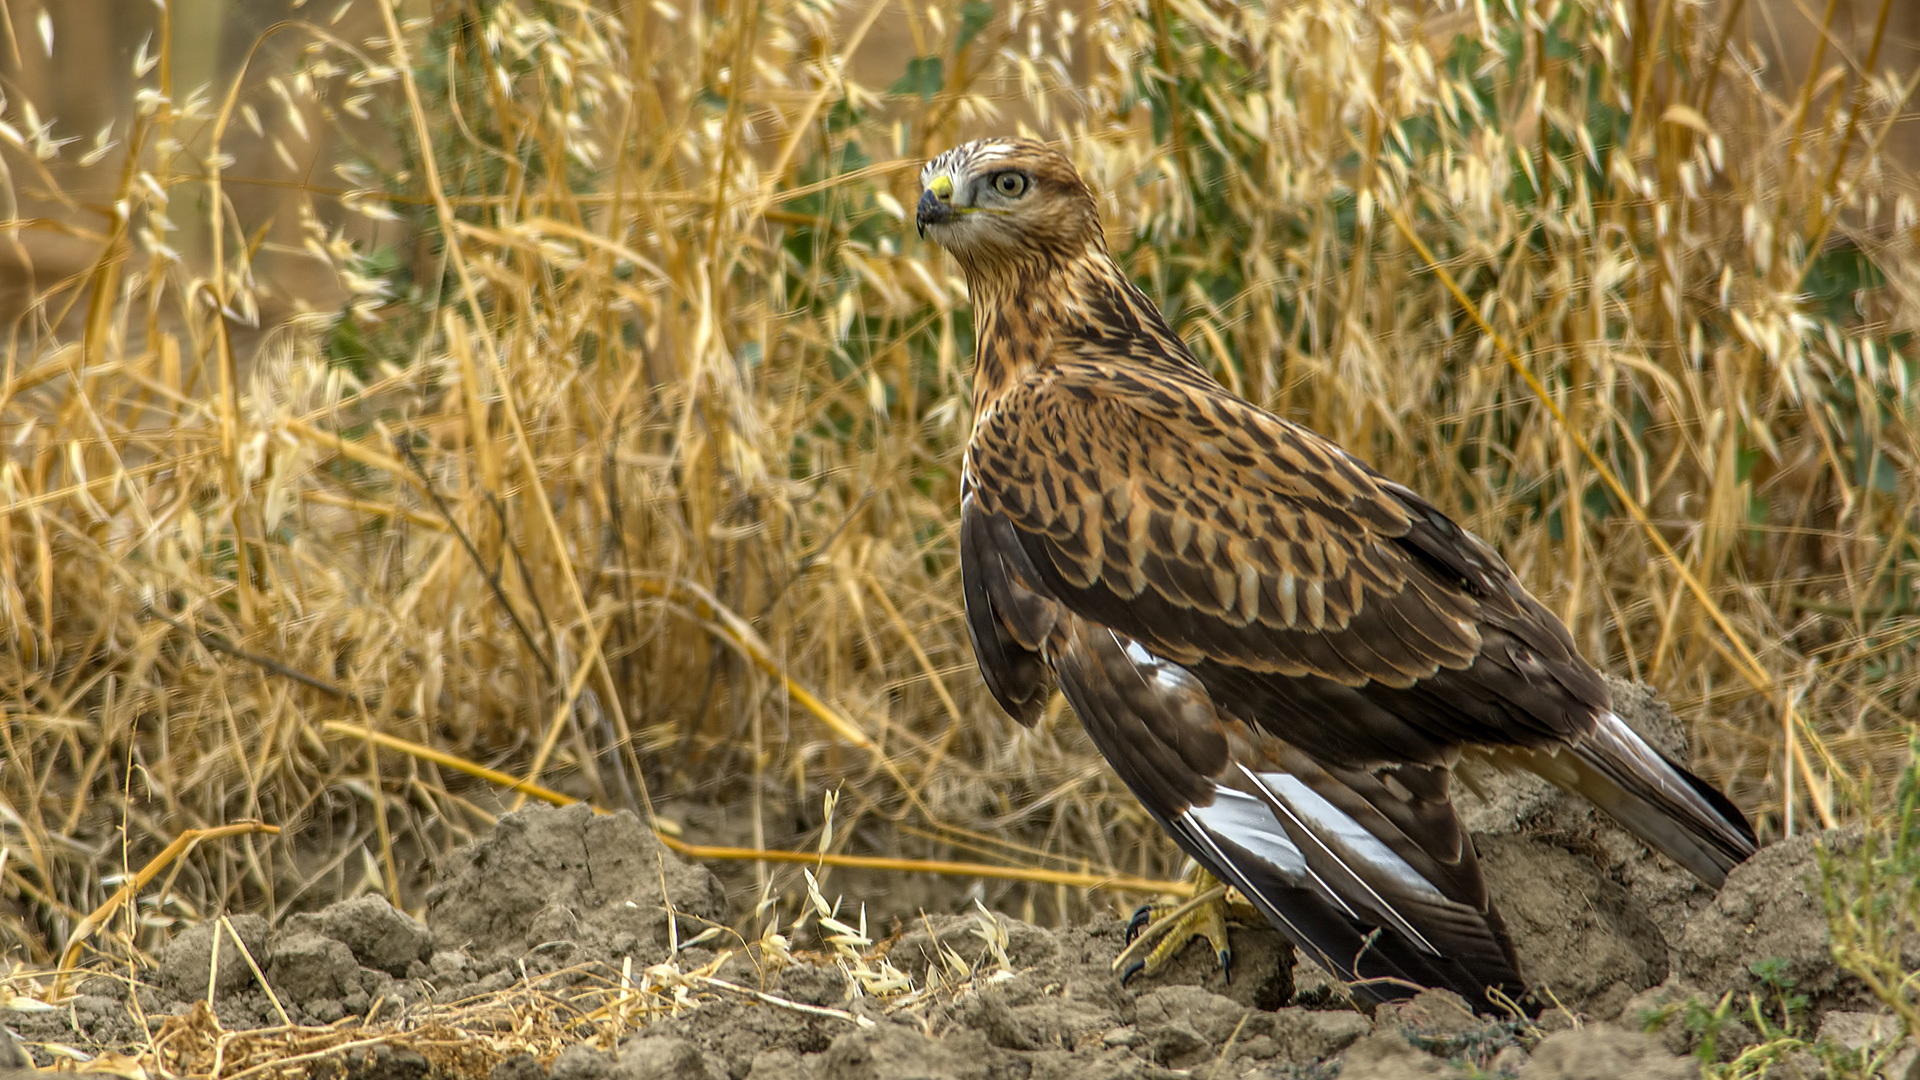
602	883
1768	930
557	893
1495	804
559	901
556	899
1580	935
1605	1052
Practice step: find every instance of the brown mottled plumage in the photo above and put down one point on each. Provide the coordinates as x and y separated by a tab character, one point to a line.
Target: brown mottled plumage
1280	651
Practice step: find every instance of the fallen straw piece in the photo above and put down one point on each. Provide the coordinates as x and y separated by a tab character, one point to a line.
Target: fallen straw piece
1071	878
180	846
784	1003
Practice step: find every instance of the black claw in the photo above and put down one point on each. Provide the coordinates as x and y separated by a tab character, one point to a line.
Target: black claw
1133	969
1142	918
1226	966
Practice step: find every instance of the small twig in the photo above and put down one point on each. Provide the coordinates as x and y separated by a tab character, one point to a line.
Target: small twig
736	632
1390	981
808	560
1214	1073
492	576
219	643
785	1003
619	740
1169	63
1069	878
519	558
440	757
213	975
597	636
247	955
312	1055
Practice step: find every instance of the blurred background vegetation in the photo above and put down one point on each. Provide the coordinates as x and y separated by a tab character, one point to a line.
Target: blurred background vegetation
560	385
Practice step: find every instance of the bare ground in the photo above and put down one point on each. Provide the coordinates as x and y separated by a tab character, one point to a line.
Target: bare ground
545	955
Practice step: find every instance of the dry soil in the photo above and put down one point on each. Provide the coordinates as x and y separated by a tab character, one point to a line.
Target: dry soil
557	898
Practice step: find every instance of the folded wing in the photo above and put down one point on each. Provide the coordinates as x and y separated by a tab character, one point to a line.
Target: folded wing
1367	871
1283	654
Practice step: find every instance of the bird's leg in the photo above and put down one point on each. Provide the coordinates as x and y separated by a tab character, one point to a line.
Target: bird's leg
1168	927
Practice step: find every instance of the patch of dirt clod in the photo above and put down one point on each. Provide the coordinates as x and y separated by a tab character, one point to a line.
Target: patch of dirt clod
547	954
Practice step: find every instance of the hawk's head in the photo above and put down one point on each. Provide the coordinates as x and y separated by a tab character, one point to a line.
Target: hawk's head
999	201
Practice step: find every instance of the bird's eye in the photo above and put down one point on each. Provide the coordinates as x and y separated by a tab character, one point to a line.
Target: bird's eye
1011	184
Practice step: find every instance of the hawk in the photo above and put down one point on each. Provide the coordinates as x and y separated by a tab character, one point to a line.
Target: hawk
1283	653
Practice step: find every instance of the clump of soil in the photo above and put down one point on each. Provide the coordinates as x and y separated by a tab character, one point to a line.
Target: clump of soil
1769	914
602	883
560	900
1580	934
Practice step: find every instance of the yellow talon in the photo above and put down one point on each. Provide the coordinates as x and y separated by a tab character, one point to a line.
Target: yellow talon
1169	927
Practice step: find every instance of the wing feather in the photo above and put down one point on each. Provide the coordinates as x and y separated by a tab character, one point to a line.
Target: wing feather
1673	810
1281	557
1348	885
1006	621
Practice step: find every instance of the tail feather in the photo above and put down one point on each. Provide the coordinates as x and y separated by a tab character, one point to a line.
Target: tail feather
1675	812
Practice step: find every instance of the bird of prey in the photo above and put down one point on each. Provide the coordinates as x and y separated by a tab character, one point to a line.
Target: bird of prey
1283	653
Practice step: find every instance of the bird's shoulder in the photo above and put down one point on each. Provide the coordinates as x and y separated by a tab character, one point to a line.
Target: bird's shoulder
1146	440
1150	501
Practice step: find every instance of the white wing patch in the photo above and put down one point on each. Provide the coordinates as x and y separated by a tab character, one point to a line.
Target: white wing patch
1631	746
1259	823
1238	879
1615	729
1321	821
1167	675
1248	822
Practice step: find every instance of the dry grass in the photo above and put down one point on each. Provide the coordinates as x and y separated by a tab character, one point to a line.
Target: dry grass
540	1015
627	462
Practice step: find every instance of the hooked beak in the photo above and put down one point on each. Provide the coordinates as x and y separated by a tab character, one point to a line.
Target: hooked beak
936	204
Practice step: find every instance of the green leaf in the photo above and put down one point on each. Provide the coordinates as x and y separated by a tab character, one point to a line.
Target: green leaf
925	76
974	17
841	115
